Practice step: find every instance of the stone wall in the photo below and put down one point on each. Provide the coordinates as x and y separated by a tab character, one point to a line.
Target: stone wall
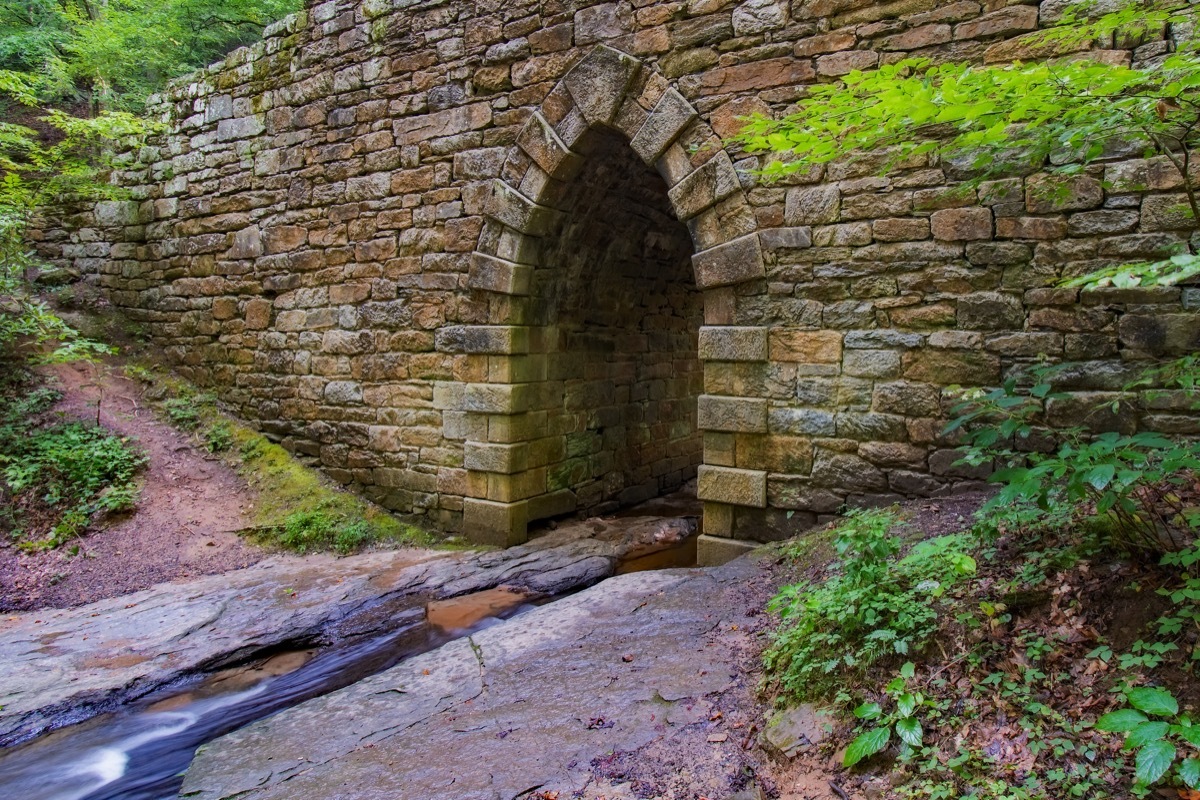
490	262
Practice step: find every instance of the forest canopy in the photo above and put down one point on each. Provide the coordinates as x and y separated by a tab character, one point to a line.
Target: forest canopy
112	54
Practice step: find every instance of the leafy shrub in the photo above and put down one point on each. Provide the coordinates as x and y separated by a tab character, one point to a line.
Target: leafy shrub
878	606
1138	482
72	471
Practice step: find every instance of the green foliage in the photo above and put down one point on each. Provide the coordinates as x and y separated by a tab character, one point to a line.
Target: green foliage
878	606
996	114
323	529
1136	482
34	172
1167	272
901	719
1171	740
63	474
999	118
115	53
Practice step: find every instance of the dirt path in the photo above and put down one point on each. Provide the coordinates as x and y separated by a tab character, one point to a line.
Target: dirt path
183	527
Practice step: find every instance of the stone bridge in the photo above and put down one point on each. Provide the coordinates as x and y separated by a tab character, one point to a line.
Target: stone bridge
491	262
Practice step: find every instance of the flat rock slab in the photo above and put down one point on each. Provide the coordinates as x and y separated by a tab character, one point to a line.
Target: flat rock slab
522	707
65	666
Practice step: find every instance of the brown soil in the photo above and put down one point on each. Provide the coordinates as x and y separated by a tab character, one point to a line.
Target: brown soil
190	507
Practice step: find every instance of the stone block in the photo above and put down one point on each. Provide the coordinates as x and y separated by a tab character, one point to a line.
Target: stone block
952	367
496	524
709	183
1005	22
505	204
731	414
728	264
1100	223
813	205
790	455
874	339
962	224
767	74
1160	334
837	64
871	363
735	487
1166	212
733	344
599	82
117	213
712	551
449	122
846	472
753	17
802	421
990	311
900	229
506	459
907	399
797	238
605	21
499	275
1049	194
1031	227
542	144
672	113
496	398
809	347
718	519
483	339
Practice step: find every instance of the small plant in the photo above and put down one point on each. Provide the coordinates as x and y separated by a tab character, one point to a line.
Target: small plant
183	412
218	437
901	719
1137	482
879	605
1163	738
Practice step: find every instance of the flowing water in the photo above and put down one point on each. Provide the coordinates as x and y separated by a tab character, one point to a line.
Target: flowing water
141	751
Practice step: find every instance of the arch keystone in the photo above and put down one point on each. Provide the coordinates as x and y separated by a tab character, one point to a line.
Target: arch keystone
599	82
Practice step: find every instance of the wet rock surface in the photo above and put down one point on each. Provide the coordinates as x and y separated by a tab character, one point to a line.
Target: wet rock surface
582	695
67	665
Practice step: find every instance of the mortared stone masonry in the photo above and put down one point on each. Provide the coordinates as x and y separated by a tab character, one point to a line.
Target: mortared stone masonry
491	262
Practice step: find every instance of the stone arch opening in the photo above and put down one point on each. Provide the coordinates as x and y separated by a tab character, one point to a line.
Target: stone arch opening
614	296
585	163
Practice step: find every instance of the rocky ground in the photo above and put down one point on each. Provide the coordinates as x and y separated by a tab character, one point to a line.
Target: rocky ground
638	687
62	666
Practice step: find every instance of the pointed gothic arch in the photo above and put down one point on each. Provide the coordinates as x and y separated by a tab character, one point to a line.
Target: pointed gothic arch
610	91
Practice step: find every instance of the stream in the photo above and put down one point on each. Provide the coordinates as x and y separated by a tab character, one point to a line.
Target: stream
141	751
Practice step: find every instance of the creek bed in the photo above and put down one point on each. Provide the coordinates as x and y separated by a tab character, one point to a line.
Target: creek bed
141	751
